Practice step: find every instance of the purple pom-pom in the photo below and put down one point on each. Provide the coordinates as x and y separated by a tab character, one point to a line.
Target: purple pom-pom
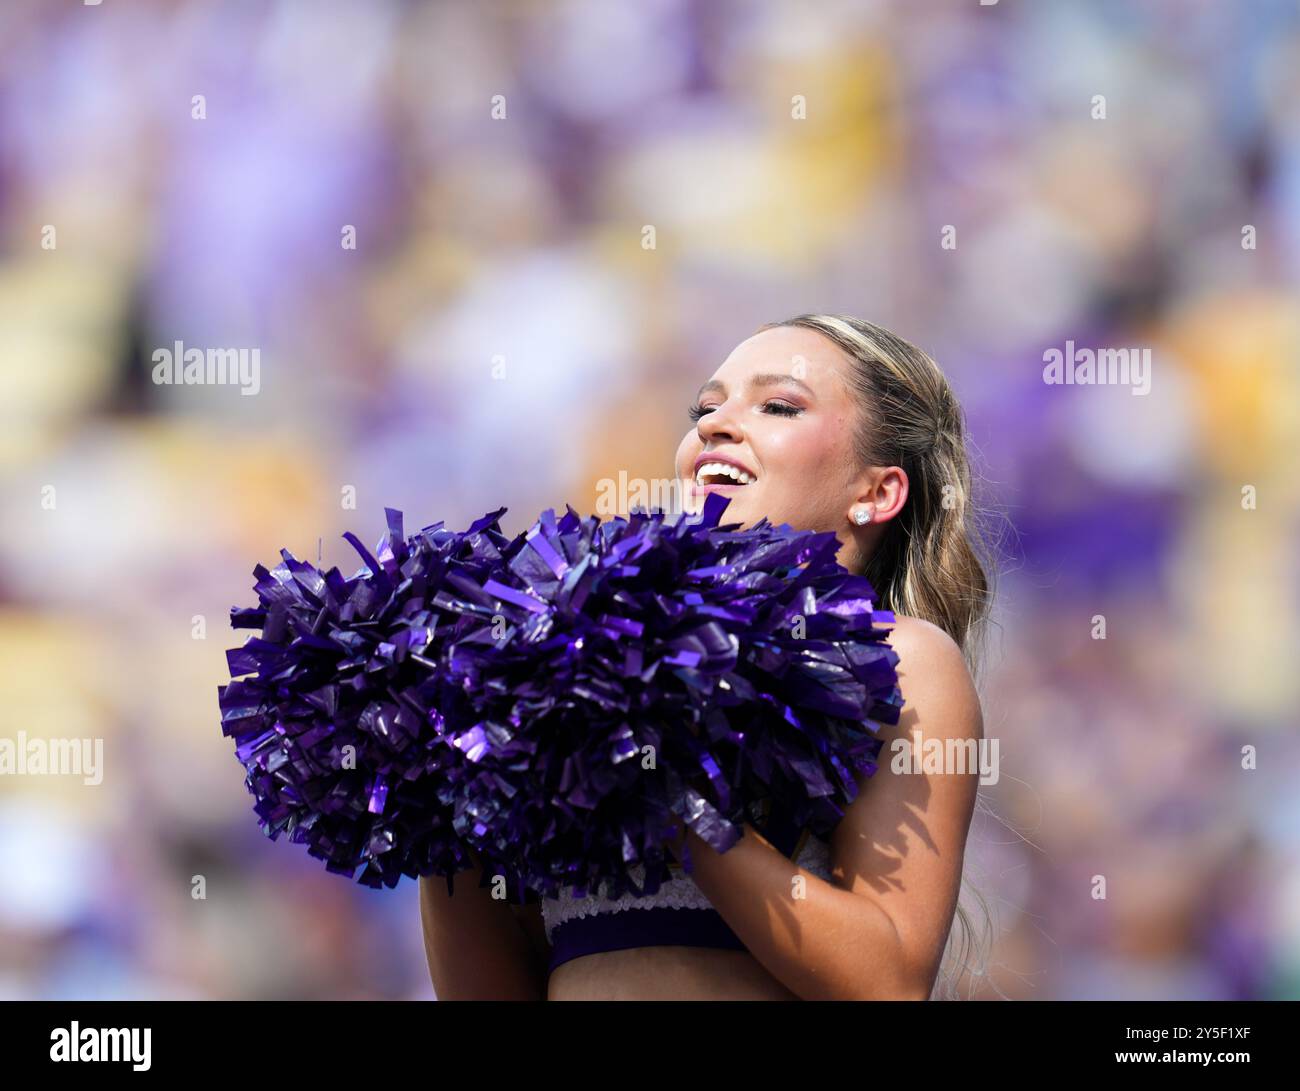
557	703
651	669
334	723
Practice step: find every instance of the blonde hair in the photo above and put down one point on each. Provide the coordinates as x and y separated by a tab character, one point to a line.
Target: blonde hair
933	561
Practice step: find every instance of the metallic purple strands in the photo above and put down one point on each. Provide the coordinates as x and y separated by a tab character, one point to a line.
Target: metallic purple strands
655	669
558	703
334	725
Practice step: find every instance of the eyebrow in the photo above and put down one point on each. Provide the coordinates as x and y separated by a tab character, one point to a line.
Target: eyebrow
766	378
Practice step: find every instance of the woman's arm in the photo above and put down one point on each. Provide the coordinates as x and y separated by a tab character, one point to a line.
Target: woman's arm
475	946
878	930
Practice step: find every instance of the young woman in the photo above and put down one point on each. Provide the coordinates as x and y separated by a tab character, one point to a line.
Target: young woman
826	423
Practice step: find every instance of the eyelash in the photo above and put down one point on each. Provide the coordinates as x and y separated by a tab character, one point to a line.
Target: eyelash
780	409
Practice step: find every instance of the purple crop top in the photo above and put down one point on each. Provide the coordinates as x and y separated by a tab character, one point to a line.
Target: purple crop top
677	915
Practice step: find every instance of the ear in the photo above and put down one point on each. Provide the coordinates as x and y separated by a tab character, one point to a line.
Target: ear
884	488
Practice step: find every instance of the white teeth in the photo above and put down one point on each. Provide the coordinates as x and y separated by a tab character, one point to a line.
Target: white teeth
735	473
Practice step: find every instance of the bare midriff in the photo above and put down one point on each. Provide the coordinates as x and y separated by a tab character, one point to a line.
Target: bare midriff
665	973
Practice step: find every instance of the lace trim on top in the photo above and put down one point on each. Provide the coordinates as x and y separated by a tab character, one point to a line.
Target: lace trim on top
682	893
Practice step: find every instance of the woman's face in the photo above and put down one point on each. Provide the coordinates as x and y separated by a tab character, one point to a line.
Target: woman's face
779	409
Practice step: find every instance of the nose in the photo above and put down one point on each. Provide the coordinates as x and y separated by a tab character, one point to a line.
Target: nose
719	426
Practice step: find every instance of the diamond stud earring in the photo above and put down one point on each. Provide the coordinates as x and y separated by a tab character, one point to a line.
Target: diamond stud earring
862	515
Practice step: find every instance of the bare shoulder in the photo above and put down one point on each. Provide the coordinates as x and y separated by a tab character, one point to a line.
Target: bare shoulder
924	641
934	679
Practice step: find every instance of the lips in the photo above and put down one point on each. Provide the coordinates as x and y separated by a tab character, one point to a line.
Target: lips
722	472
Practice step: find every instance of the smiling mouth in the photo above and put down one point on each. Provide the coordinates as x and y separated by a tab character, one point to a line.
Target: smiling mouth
722	475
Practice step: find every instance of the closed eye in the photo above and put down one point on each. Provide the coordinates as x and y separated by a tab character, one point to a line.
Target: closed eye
696	411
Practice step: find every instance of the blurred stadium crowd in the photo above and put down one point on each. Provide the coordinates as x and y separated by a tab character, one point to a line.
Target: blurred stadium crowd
499	335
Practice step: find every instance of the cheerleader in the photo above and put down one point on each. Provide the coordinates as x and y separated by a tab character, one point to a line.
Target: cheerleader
827	423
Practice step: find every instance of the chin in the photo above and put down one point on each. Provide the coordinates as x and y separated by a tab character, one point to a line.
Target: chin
737	511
